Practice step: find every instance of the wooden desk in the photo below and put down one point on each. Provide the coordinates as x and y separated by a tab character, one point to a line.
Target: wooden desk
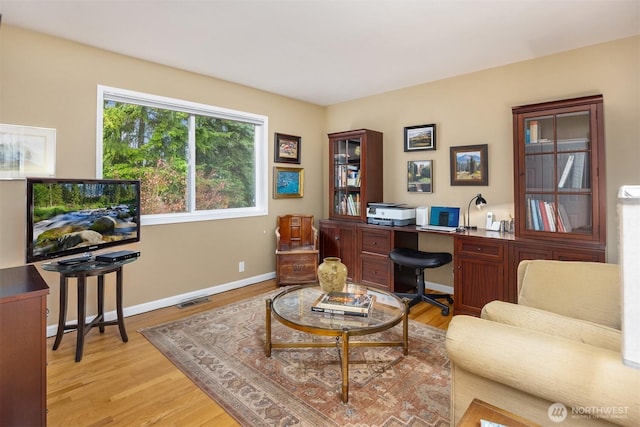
479	410
480	263
23	360
485	263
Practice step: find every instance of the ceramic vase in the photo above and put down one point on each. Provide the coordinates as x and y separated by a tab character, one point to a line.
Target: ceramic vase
332	274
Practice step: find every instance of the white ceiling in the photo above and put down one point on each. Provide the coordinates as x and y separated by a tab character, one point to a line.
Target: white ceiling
330	51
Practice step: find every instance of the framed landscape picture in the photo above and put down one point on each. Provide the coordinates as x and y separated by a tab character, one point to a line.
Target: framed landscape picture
288	182
287	148
420	176
419	138
469	165
27	151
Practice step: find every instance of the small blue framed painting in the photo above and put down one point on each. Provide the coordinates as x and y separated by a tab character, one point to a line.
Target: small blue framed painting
287	182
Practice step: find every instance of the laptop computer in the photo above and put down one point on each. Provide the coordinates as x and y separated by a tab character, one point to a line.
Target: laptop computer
443	218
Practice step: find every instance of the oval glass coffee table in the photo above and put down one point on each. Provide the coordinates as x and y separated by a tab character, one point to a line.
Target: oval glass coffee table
292	307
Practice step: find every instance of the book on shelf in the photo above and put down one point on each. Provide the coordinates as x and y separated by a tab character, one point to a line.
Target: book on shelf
546	216
535	214
551	214
350	204
534	132
529	215
542	207
344	303
562	212
565	172
578	170
561	227
341	176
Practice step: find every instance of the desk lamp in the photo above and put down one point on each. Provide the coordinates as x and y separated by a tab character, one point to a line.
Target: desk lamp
480	201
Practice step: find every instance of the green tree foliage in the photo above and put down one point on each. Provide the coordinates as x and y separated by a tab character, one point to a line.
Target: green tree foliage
53	199
225	164
151	144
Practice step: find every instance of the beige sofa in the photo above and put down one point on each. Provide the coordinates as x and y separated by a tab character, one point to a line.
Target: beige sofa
560	344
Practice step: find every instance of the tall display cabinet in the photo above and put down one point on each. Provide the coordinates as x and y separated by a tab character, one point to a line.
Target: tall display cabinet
560	202
355	179
355	174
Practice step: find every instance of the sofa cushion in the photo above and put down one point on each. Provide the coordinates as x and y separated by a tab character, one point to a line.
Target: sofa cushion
553	368
553	324
582	290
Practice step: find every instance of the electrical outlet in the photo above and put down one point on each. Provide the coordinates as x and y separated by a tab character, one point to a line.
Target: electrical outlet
241	266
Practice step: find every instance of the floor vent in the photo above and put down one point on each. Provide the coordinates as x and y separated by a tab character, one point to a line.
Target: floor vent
192	301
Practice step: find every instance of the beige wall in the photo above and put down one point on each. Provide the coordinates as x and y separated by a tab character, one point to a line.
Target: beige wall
476	109
50	82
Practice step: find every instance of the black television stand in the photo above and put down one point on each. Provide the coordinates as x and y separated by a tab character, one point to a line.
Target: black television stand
81	272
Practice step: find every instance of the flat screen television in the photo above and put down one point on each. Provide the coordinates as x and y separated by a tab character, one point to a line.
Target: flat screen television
72	216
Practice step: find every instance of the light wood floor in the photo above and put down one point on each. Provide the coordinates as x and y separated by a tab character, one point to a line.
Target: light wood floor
133	384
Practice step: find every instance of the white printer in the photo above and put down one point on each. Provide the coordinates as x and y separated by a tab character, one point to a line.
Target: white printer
390	214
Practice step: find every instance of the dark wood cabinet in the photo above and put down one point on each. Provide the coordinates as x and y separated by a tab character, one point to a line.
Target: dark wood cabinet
297	267
297	250
355	179
338	239
559	191
522	250
375	268
485	262
355	173
23	375
480	274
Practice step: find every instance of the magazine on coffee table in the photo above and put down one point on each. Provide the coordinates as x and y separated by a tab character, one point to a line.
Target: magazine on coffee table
344	303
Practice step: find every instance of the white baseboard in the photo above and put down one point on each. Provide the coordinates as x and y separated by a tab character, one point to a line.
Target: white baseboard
52	330
438	287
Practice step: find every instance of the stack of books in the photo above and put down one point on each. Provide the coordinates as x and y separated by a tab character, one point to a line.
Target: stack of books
351	304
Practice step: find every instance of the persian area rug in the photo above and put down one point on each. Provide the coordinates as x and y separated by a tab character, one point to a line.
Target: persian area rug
222	351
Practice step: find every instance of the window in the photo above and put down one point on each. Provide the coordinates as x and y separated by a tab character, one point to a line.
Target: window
195	162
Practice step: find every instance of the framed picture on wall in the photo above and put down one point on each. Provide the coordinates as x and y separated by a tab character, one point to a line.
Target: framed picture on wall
288	182
469	165
420	138
287	148
27	151
420	176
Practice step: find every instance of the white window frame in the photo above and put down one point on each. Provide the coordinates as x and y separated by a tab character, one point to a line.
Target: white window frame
261	151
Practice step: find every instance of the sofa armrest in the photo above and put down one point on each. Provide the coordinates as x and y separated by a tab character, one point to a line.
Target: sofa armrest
582	290
553	368
550	323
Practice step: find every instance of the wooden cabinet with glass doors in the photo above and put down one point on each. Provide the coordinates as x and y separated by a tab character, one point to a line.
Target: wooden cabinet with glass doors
355	173
559	172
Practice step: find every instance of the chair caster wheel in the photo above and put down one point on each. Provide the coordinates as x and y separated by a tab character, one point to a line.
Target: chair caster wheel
450	300
445	311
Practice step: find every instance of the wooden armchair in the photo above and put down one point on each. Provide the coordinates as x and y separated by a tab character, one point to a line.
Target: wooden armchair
296	250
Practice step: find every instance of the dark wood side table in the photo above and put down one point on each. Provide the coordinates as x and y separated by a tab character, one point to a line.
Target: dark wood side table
80	272
480	410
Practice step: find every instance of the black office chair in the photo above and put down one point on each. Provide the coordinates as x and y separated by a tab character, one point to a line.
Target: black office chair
419	261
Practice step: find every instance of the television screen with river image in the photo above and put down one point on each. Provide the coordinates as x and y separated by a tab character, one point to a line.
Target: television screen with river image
66	217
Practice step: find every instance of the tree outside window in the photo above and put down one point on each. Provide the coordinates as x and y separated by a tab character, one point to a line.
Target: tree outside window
154	144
